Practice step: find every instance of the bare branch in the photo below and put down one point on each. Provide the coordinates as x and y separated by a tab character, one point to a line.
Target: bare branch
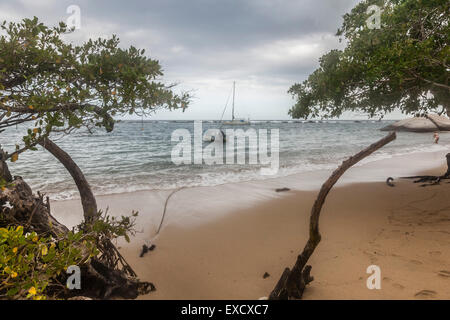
293	282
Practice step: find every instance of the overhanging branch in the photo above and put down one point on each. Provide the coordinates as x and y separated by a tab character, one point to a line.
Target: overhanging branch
87	197
293	282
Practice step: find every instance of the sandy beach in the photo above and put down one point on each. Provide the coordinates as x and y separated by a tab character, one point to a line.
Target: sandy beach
224	151
218	242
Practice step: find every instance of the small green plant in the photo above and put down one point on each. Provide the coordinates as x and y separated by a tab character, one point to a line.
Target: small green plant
29	263
33	267
110	227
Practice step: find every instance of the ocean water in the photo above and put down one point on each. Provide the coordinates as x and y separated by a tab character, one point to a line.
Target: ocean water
137	155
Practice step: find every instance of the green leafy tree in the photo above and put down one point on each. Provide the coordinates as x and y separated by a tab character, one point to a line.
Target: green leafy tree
52	86
401	65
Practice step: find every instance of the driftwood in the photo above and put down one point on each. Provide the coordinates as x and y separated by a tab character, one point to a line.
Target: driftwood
20	206
432	180
389	182
293	281
100	281
146	249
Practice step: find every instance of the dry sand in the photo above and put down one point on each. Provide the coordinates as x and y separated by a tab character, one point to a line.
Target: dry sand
405	230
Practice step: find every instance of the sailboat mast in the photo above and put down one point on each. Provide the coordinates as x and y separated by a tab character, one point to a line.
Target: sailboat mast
234	90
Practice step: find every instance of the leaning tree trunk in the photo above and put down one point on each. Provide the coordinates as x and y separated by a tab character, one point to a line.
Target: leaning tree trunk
87	197
293	282
109	274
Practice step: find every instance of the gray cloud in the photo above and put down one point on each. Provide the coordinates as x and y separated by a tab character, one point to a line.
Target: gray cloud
265	45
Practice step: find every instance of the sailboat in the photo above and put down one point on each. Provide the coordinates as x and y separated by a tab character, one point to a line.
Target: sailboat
234	120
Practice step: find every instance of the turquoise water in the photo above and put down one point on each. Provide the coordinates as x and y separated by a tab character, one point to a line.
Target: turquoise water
137	156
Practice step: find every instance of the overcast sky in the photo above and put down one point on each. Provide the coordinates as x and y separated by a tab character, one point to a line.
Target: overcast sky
205	45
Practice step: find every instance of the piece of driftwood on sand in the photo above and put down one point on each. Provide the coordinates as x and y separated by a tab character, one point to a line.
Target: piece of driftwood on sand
432	180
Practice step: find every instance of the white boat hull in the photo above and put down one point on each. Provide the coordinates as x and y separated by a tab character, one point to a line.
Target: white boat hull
237	122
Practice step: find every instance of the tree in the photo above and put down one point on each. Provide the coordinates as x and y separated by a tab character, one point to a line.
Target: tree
293	282
403	64
50	88
54	87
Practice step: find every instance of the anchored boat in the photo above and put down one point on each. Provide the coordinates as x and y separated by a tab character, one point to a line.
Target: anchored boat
234	120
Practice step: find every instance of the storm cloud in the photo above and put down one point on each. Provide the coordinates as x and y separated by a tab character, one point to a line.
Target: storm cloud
205	45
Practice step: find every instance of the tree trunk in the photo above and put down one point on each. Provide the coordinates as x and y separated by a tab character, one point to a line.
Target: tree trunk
293	282
87	197
4	170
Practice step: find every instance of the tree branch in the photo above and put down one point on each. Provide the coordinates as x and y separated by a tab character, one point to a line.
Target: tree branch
87	197
293	282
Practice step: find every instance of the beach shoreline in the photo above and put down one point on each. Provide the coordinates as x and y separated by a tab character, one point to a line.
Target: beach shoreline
246	194
217	242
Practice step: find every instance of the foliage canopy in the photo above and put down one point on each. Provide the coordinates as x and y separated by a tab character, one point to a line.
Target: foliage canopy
56	86
403	64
